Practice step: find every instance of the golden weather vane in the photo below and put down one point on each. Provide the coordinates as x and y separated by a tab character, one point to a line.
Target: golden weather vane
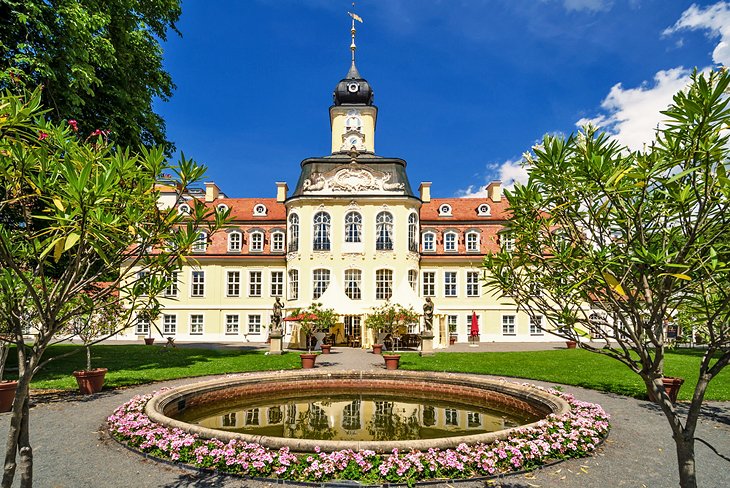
352	31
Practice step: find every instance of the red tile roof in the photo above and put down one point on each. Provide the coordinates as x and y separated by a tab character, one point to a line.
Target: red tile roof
242	208
465	209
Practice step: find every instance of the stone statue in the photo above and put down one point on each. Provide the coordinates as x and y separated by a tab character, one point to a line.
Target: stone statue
278	314
428	314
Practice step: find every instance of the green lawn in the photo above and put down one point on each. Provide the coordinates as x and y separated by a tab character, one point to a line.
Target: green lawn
137	364
572	367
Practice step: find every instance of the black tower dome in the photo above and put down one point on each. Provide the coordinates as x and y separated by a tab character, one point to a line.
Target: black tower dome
353	89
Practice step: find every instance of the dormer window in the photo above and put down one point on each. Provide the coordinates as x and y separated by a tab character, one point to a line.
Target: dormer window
484	210
450	241
257	242
277	241
234	241
507	241
428	242
259	210
445	210
221	207
201	243
472	241
183	209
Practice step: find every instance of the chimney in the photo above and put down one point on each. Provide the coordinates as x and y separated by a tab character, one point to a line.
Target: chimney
281	189
211	191
494	191
425	190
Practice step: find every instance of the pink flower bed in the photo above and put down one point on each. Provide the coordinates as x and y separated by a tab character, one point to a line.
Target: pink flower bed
574	434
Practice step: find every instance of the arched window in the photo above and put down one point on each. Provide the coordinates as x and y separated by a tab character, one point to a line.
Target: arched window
412	232
353	227
320	282
445	210
221	207
293	232
259	209
322	231
234	241
472	242
483	210
384	231
277	241
293	284
184	208
257	242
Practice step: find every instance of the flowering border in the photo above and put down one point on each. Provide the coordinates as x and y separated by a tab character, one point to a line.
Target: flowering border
571	435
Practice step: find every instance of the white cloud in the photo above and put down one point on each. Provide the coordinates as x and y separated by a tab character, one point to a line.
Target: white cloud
715	19
633	114
510	172
591	5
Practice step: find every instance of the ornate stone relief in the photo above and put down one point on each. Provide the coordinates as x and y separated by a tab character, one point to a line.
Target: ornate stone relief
352	179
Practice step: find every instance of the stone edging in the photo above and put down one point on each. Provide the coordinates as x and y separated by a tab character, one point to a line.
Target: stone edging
171	401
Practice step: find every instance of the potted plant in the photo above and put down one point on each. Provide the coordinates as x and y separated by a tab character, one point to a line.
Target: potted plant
7	387
312	320
571	344
392	320
87	328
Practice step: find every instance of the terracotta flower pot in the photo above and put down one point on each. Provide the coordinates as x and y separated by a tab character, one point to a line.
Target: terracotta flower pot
377	348
308	360
452	340
7	395
392	361
671	386
571	344
149	341
326	348
90	381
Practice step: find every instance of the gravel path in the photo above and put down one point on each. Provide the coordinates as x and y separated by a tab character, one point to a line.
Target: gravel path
72	450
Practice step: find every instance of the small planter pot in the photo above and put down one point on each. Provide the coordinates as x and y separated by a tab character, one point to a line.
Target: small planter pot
308	360
671	386
377	348
90	381
571	344
149	341
392	361
7	395
452	340
326	348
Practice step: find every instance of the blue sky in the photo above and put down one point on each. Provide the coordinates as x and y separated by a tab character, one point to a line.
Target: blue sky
463	87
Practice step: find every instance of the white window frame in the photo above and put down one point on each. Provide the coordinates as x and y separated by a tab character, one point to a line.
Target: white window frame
413	232
431	283
472	283
172	290
276	283
184	208
277	241
451	287
256	241
233	324
507	328
451	241
384	284
293	284
428	241
353	276
452	320
197	283
473	245
254	324
197	327
536	325
221	207
413	279
484	210
444	210
233	286
322	231
384	225
293	232
259	210
353	227
316	293
201	242
142	325
169	324
255	283
232	245
507	241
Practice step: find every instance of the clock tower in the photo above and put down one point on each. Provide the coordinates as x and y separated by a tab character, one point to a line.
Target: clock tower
353	115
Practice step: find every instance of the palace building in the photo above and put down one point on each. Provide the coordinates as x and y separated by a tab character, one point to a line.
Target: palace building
352	234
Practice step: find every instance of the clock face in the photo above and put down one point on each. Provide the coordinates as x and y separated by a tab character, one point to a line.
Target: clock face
354	141
353	87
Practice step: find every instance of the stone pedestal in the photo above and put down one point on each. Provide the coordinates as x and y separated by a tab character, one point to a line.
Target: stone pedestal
426	344
275	342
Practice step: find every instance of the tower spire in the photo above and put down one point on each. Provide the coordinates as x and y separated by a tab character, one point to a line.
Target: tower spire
353	70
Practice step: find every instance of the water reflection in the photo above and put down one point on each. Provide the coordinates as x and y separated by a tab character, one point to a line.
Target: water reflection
355	417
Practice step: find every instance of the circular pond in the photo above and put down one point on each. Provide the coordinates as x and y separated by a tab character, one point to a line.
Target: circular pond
353	410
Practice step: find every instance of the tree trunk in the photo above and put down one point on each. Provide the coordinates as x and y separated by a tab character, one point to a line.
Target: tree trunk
88	358
25	451
17	422
686	460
